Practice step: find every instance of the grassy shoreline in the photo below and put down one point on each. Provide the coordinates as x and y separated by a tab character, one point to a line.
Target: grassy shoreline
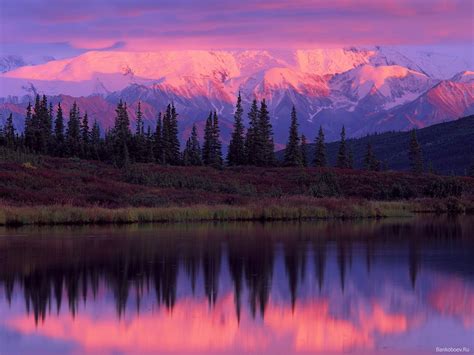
326	209
55	191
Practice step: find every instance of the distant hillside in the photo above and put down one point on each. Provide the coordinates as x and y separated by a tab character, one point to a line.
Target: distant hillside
448	146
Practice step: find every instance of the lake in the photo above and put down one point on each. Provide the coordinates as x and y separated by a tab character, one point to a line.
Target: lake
370	286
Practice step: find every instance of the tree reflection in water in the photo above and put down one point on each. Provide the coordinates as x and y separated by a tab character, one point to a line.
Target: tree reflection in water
258	264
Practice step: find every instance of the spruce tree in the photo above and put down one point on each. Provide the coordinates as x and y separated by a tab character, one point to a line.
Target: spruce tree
126	157
59	132
29	129
236	153
73	132
350	158
252	135
370	161
139	140
165	133
9	132
121	136
158	141
95	141
35	123
293	152
2	137
304	151
50	129
85	136
186	158
149	146
265	146
212	150
171	151
369	157
320	159
42	123
208	144
415	154
217	160
174	146
36	120
192	152
195	148
45	126
140	126
342	157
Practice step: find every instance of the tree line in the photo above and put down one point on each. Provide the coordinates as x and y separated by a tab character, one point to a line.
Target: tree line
46	132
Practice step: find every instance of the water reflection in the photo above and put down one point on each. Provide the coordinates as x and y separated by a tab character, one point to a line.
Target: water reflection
367	286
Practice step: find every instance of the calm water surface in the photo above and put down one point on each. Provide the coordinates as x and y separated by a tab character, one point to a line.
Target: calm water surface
391	286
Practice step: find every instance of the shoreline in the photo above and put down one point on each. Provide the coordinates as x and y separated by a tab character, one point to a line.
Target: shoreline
11	216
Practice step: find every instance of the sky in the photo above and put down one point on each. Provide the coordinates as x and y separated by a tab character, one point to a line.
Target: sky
62	28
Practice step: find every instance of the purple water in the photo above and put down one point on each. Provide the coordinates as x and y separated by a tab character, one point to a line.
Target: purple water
388	286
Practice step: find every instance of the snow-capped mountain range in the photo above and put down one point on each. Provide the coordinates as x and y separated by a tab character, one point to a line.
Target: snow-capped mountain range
366	89
11	62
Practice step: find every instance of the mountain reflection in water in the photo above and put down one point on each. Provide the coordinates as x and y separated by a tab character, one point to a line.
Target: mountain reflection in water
358	286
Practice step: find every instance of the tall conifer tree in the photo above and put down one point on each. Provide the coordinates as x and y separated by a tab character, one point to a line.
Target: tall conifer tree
252	135
59	132
73	132
192	152
293	151
320	159
171	151
370	161
304	151
236	153
174	146
265	146
9	132
140	126
48	129
139	139
342	156
2	137
149	146
85	136
45	126
217	160
121	136
212	151
29	129
95	142
208	137
158	141
415	154
350	157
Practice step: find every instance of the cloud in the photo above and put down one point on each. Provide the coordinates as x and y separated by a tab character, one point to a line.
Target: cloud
146	24
97	45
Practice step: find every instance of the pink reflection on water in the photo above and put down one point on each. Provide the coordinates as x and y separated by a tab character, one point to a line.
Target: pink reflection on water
453	297
194	327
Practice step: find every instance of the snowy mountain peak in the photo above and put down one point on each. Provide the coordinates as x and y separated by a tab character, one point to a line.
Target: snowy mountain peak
395	84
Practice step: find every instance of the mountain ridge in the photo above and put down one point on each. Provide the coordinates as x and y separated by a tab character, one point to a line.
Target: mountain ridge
366	89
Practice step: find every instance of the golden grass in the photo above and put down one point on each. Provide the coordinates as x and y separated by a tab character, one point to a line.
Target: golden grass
60	214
